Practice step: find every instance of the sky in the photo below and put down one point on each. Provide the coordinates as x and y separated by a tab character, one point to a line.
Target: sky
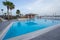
41	7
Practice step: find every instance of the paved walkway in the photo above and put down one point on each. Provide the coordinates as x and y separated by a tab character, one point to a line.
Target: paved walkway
51	35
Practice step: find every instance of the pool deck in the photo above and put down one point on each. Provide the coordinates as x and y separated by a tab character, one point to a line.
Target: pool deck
51	35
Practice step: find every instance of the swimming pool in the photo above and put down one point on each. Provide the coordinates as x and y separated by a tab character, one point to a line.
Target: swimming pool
23	27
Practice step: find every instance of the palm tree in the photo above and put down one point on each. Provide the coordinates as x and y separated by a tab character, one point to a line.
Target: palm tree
8	4
18	13
11	8
5	14
2	11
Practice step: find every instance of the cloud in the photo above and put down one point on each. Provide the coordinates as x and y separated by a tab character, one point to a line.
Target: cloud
44	6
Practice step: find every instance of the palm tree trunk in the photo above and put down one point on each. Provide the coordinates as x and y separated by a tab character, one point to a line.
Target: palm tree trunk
11	13
8	11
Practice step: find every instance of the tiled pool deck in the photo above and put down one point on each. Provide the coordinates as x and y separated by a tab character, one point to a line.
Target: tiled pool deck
51	35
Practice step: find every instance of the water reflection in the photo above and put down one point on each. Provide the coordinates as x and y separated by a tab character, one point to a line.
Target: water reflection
31	23
45	20
53	21
31	20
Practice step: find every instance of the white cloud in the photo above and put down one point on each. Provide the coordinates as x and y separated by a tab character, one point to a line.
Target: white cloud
44	6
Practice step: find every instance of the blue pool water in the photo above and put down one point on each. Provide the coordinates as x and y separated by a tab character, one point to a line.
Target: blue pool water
23	27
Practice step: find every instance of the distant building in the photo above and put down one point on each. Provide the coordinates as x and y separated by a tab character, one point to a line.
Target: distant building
31	15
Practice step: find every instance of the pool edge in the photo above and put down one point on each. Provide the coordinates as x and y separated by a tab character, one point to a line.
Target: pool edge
35	34
5	31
